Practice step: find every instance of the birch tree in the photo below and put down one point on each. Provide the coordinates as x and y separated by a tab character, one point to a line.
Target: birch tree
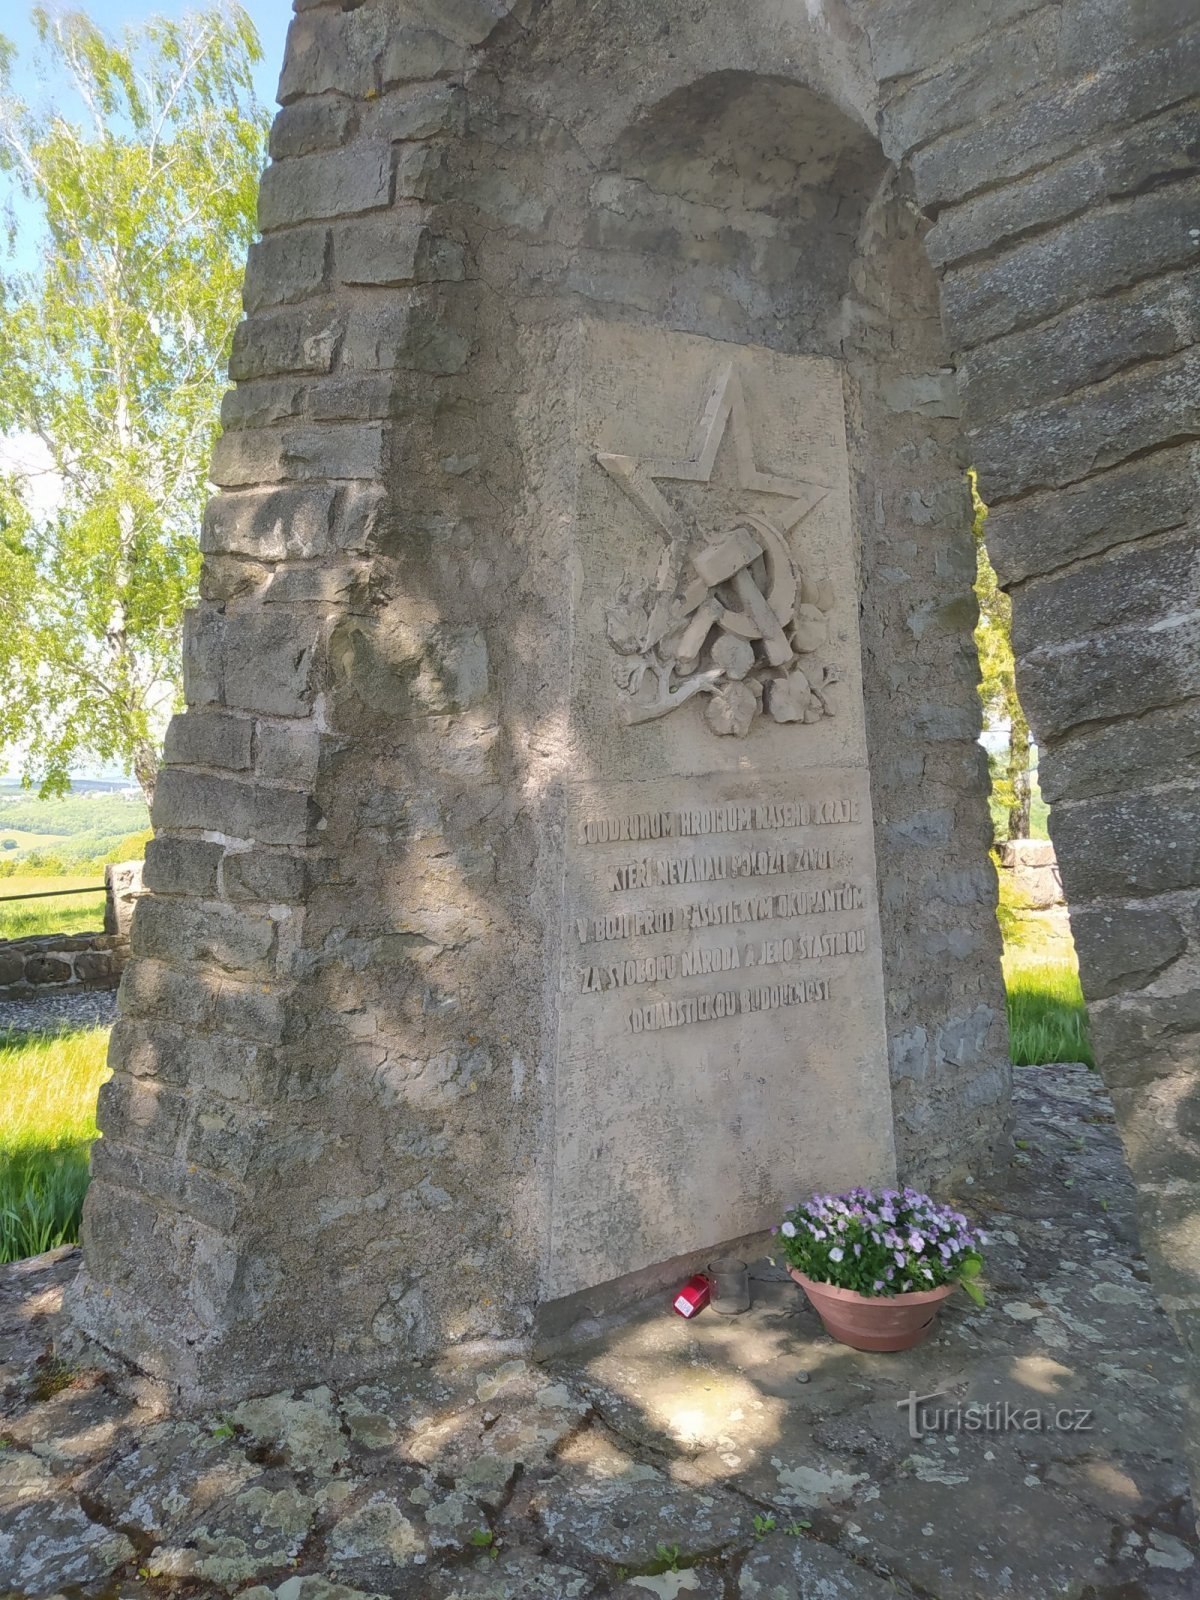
138	177
998	685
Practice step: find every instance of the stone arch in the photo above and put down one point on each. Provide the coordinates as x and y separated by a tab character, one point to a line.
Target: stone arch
305	1105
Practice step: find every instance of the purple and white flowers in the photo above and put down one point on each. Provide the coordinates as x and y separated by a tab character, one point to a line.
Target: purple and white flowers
884	1242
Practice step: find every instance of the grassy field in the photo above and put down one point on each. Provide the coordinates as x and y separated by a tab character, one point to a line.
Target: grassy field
48	1089
83	913
1047	1020
17	842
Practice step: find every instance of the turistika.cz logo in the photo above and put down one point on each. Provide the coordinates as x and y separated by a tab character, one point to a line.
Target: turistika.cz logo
997	1416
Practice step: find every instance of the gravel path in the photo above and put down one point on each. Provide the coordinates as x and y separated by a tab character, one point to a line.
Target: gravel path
59	1013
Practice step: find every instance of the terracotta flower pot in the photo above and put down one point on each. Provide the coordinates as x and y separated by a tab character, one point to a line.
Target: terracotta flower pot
875	1322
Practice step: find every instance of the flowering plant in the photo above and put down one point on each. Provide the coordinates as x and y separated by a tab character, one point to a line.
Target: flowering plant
892	1242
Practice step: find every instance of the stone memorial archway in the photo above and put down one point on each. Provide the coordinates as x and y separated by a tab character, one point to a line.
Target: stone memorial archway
592	360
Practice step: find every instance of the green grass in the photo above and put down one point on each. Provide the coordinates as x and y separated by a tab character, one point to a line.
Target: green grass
82	913
1047	1019
48	1089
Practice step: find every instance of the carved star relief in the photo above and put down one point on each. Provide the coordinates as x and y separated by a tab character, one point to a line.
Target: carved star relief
726	405
729	612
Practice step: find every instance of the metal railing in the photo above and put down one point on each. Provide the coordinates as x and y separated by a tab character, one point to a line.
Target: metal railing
49	894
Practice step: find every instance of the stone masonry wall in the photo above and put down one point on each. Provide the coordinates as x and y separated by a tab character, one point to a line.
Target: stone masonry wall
1054	150
333	1025
315	1057
82	960
49	962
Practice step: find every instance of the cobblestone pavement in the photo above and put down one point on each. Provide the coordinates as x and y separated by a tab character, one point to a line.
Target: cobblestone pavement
59	1013
743	1458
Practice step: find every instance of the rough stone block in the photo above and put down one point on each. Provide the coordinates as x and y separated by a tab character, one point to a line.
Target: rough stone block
1139	583
269	660
1090	255
390	255
1133	844
223	1139
270	524
420	113
360	516
212	1202
346	450
229	939
263	403
925	394
153	989
1141	157
200	801
334	52
303	340
1086	344
1122	673
1112	757
1123	946
999	68
287	266
1097	428
1041	129
922	831
341	583
389	671
327	184
469	22
208	740
1147	1034
142	1111
182	866
1134	501
267	456
97	969
417	171
911	35
1097	32
203	655
311	125
265	876
41	969
415	55
287	753
409	331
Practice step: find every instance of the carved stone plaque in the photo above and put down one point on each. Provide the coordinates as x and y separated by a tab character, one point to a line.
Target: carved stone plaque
721	1040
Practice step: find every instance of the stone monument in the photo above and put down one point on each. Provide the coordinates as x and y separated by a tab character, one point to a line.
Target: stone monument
576	844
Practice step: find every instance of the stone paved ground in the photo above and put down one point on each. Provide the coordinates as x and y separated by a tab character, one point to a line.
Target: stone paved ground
59	1013
724	1459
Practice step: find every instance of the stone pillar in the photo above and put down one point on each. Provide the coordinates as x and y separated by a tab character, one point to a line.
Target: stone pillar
122	891
1054	147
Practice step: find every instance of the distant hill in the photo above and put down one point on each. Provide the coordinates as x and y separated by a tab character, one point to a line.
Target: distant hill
82	830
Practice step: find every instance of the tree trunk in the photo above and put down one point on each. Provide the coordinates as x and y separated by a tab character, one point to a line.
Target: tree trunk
1018	774
145	767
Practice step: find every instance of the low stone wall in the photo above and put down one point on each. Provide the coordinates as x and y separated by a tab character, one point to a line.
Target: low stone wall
53	961
60	960
1035	873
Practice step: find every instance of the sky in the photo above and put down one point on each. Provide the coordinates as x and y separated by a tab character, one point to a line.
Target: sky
270	17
